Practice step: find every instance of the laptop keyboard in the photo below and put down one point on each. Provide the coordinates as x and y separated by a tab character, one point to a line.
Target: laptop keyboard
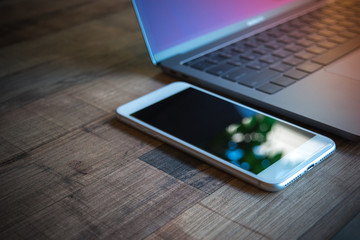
272	60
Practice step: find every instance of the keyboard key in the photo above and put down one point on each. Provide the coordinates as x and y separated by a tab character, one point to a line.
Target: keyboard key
274	44
305	42
263	37
336	28
221	69
307	18
295	74
236	63
293	61
269	59
286	27
227	49
202	65
316	49
304	55
251	42
283	81
239	44
211	61
317	14
328	21
217	57
275	33
326	33
338	17
315	37
347	34
318	25
229	53
296	34
285	39
225	55
281	53
261	50
327	44
307	29
337	39
296	22
257	79
239	49
337	52
347	24
293	47
269	88
250	56
309	67
280	67
237	74
257	65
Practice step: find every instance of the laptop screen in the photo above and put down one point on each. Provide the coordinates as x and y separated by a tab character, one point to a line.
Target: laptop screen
172	27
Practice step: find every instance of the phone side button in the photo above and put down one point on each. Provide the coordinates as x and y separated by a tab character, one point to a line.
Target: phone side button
310	167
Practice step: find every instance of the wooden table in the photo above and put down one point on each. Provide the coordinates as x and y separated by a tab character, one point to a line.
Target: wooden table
70	170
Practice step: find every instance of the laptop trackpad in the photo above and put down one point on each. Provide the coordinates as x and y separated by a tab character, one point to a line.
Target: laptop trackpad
348	66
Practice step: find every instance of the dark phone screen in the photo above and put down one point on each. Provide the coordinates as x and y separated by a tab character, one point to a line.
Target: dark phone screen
241	136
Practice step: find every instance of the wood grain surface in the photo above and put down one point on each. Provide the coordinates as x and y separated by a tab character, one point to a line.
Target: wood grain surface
70	170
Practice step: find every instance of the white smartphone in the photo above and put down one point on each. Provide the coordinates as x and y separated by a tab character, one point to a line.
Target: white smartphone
261	149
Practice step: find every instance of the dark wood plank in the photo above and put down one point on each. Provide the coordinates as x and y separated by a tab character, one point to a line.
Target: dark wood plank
25	230
335	219
200	222
65	111
26	130
33	69
166	197
64	221
112	90
9	151
28	189
186	168
27	20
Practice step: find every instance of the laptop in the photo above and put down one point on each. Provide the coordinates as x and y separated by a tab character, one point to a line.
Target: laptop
297	58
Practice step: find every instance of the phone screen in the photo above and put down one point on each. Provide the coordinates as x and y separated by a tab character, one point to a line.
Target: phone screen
241	136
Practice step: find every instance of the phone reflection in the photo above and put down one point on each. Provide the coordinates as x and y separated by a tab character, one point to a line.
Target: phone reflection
244	143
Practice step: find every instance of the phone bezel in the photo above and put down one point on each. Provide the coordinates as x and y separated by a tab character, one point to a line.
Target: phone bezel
324	145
